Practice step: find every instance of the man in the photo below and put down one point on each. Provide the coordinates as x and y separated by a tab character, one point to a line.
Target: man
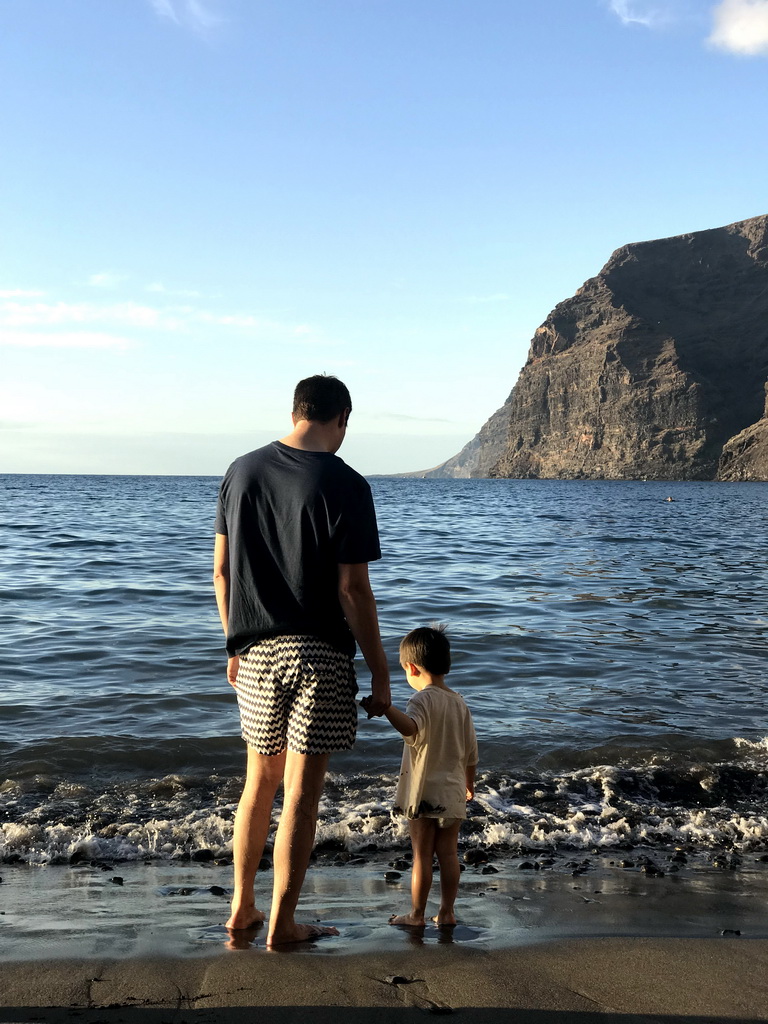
295	530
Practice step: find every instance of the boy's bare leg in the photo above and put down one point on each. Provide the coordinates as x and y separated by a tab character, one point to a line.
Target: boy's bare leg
254	813
303	785
446	848
423	834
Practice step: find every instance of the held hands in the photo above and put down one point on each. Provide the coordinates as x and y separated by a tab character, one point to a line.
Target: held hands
372	707
377	702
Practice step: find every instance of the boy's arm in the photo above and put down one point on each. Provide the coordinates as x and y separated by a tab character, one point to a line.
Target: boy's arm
404	725
470	774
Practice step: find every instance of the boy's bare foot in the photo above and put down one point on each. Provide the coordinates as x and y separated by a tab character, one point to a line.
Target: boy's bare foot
409	920
300	933
445	920
247	917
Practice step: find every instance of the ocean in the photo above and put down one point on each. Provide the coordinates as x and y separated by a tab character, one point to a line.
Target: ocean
610	642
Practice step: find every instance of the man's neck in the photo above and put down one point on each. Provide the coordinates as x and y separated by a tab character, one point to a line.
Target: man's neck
311	436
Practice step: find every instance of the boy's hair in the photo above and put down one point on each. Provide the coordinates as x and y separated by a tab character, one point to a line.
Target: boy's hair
427	647
320	398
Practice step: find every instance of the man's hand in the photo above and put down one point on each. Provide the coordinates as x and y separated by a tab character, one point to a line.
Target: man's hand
233	666
377	702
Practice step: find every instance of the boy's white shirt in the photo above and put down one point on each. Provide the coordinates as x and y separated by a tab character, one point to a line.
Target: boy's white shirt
435	760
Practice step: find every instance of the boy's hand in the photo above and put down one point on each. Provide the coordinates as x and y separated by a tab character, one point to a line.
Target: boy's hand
372	707
470	794
367	705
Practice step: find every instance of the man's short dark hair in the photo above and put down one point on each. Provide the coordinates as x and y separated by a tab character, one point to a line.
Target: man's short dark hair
320	398
428	648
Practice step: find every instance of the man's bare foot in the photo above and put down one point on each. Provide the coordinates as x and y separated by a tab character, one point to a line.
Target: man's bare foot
300	933
247	917
445	920
409	920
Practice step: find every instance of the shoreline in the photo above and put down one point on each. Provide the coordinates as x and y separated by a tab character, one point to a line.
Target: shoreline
587	981
556	947
137	909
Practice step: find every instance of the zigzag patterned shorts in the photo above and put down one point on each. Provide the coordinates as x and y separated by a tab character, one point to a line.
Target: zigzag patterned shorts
297	692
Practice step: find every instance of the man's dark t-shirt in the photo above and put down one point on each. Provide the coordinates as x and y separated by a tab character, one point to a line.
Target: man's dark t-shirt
291	517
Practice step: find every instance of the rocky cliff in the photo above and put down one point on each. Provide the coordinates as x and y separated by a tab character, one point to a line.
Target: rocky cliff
655	369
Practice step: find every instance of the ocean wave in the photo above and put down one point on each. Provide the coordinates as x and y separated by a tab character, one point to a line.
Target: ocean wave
706	810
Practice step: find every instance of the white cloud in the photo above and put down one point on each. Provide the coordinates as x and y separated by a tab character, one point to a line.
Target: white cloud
32	314
62	339
636	12
106	279
194	14
655	14
741	26
19	293
52	314
157	287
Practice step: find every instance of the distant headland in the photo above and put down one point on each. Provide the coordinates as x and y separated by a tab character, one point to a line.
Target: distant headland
656	369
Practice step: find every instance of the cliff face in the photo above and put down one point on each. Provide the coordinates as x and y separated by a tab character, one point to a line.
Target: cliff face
656	369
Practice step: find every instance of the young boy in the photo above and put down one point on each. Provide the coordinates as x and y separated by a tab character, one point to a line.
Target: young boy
437	775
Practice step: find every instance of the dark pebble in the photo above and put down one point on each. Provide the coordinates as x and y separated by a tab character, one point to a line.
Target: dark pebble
13	858
330	846
730	931
652	869
477	856
489	869
204	856
399	864
265	864
78	857
527	865
392	876
217	890
117	880
626	863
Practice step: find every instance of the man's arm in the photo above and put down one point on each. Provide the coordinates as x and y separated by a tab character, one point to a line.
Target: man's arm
221	587
359	607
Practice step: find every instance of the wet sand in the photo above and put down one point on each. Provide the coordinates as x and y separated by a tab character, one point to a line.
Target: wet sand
549	948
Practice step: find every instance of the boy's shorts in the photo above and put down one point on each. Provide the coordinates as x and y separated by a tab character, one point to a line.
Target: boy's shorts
297	692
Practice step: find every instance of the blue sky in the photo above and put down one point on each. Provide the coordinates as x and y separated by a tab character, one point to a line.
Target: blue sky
202	201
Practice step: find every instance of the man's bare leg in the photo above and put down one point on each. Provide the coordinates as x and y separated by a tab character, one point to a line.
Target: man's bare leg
254	813
423	835
303	786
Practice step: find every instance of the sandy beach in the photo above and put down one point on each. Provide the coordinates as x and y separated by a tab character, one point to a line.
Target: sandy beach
143	942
